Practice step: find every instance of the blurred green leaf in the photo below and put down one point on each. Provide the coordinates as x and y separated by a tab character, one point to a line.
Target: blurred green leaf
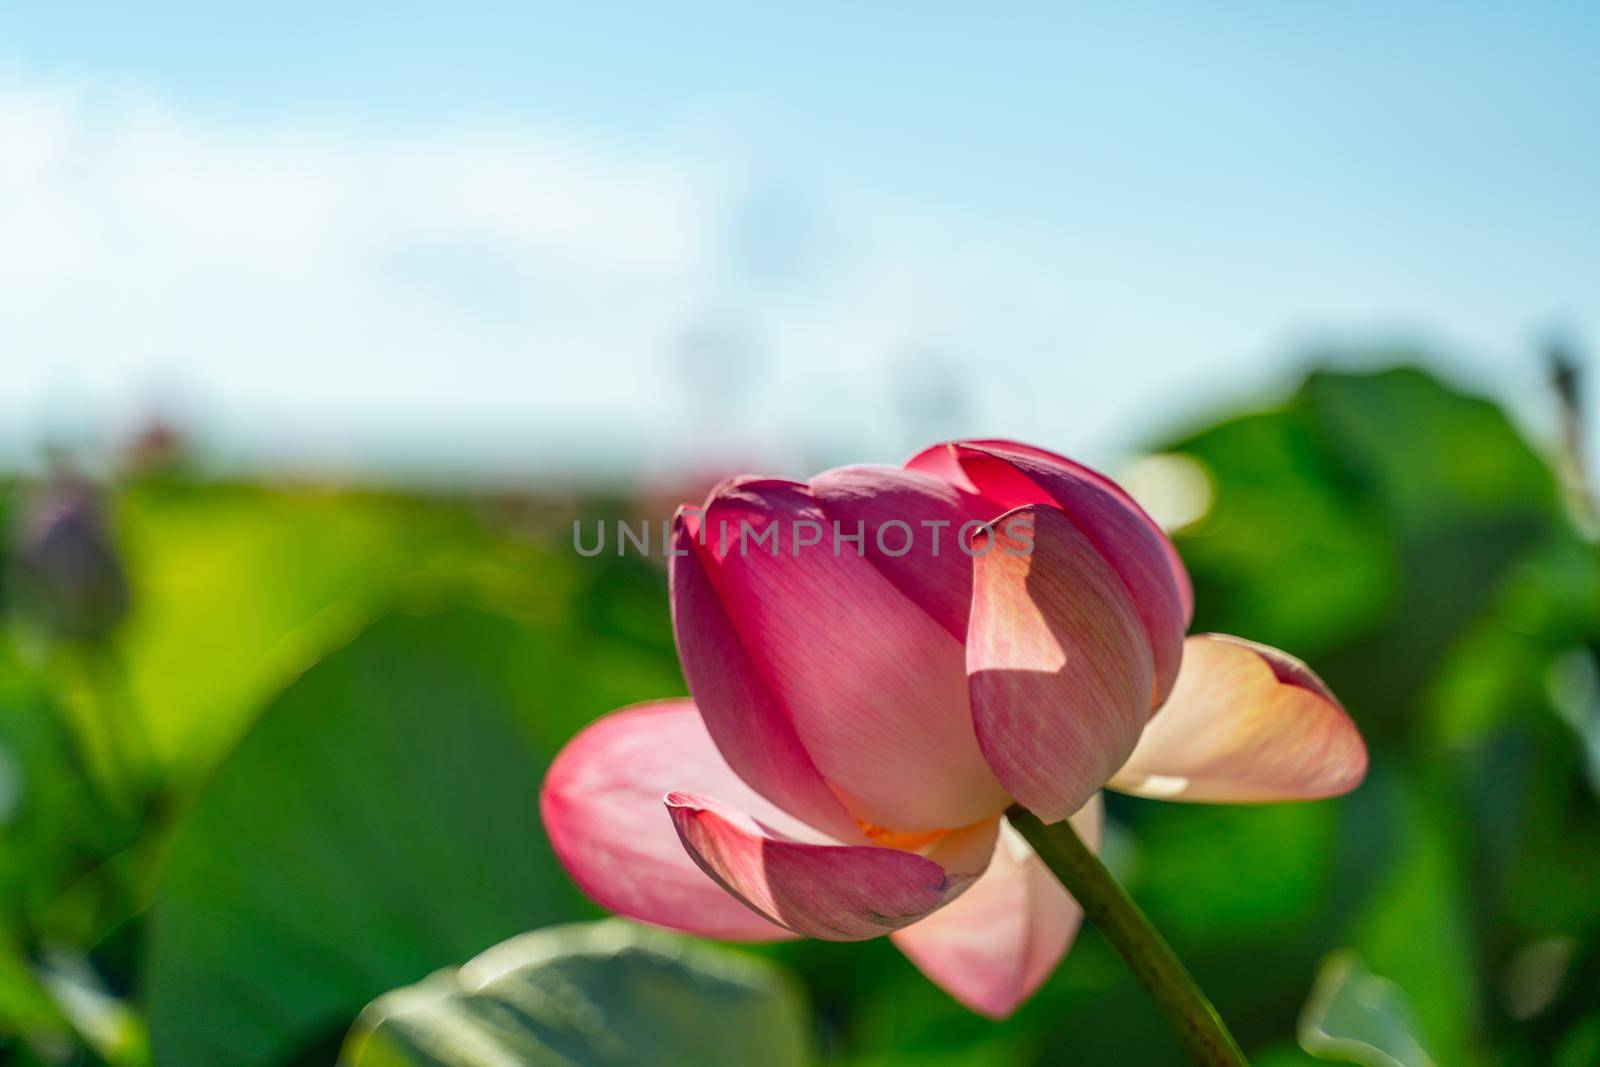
1286	553
1355	1016
1363	525
608	994
890	1015
1426	453
1580	1047
26	1008
236	588
1416	925
1404	538
1189	857
1573	682
378	822
1284	1055
57	825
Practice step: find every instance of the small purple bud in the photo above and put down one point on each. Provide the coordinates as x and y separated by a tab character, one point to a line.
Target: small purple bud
68	571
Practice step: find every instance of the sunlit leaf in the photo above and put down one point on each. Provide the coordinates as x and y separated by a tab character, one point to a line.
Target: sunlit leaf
608	994
104	1022
236	588
1354	1016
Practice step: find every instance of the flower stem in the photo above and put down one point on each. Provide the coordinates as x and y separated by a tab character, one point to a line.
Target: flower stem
1198	1026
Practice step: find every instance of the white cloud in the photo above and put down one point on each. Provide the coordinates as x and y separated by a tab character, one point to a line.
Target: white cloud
300	286
309	287
322	273
514	294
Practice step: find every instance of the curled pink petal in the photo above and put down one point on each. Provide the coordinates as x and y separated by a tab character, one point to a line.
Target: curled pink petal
942	461
751	729
992	947
1134	546
874	686
829	891
1245	723
1180	573
601	808
1058	665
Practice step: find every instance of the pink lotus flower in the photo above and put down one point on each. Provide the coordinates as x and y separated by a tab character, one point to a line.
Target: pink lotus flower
862	718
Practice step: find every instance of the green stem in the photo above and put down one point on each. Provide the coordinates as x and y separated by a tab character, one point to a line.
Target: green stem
1199	1028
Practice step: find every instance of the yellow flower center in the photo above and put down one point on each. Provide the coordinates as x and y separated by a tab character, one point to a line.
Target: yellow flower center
913	841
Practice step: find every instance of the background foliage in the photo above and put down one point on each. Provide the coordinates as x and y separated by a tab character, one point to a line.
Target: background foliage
301	772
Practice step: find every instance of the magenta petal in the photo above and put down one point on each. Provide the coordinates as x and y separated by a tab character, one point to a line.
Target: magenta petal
828	891
601	808
913	525
992	947
1058	665
750	728
942	461
1245	723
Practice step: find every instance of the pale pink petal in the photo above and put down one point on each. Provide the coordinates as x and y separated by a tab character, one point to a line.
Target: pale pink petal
1058	665
914	525
964	853
601	808
874	686
1245	723
829	891
752	731
993	946
1134	546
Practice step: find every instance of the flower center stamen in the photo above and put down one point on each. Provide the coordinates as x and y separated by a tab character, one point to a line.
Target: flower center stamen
913	841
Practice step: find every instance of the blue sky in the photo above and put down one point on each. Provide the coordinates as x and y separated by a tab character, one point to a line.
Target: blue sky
492	232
